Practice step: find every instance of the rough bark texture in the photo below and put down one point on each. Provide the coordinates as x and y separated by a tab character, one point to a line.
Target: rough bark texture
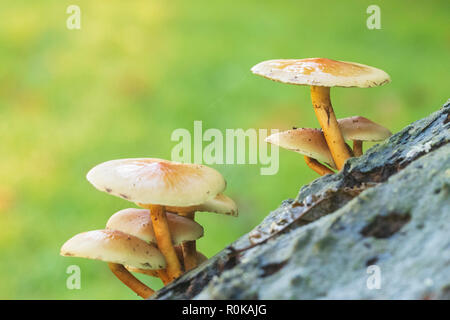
389	208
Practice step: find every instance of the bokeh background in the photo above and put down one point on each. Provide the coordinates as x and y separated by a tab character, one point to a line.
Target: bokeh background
137	70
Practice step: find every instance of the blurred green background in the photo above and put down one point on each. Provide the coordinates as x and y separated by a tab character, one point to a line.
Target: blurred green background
137	70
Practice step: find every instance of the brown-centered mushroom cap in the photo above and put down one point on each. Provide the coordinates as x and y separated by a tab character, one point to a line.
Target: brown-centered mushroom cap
306	141
360	128
157	181
321	72
116	247
137	222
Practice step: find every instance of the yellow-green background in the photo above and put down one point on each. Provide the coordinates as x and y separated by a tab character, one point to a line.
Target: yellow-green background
139	69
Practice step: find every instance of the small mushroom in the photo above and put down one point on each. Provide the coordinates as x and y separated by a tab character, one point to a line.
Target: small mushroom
138	223
359	129
308	142
155	183
118	249
321	74
219	204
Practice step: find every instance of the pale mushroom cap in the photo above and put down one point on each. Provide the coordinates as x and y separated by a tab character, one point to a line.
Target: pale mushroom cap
309	142
321	72
138	223
200	258
157	181
220	204
116	247
360	128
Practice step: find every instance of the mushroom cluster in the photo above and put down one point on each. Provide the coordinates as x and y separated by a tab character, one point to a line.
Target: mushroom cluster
160	239
327	144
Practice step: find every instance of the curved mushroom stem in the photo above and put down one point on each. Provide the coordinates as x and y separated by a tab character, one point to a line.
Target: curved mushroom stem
320	97
164	240
130	281
317	167
357	148
189	247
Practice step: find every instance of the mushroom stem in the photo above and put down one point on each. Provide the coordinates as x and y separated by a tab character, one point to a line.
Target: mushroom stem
357	148
320	97
162	274
130	281
164	240
317	166
189	247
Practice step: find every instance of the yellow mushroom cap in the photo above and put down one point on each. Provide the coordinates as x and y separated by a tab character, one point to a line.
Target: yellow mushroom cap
138	223
306	141
321	72
157	181
360	128
116	247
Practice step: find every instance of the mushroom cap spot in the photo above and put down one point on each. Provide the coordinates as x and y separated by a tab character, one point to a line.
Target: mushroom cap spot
114	246
360	128
321	72
306	141
138	223
157	181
